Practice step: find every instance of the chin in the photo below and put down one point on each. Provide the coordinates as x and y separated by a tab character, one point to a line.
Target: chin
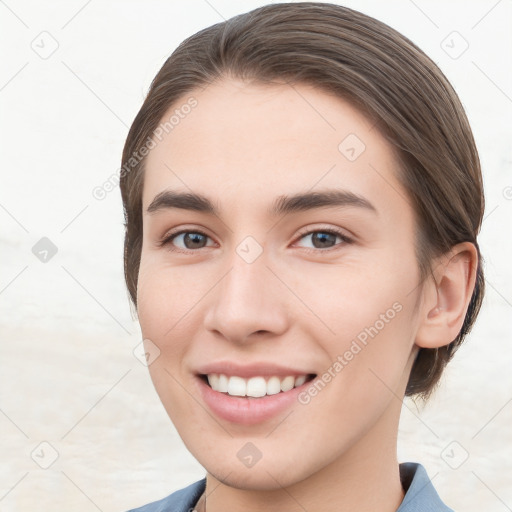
252	479
268	474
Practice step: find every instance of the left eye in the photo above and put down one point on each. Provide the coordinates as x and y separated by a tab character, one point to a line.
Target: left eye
325	239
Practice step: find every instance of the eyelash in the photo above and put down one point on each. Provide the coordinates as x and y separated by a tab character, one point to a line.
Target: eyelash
167	240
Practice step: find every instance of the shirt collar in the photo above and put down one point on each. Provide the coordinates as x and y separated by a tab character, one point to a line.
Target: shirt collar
420	493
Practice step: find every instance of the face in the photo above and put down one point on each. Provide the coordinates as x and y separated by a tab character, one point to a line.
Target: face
292	278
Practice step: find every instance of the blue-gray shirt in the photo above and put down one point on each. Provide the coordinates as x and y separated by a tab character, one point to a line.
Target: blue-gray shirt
420	495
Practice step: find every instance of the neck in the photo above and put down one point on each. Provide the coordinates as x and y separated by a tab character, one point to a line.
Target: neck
366	478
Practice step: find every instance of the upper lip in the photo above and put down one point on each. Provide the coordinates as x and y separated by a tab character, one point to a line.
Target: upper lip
260	369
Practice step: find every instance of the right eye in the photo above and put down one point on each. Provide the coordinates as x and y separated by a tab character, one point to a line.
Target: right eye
189	240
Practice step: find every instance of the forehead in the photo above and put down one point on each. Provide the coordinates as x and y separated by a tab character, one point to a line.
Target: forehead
249	143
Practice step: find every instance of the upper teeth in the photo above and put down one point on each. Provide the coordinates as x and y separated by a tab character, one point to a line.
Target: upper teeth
255	386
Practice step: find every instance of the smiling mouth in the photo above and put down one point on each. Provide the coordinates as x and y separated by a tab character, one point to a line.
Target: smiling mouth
254	387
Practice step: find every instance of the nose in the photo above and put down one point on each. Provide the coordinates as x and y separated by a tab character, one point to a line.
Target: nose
248	303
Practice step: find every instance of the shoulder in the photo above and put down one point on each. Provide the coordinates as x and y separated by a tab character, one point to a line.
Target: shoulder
420	494
183	500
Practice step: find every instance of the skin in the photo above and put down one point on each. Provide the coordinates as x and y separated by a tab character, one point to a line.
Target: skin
297	304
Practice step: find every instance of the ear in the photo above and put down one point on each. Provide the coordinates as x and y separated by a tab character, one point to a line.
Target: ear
447	295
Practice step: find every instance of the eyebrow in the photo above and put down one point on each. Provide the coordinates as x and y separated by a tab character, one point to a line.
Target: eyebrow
169	199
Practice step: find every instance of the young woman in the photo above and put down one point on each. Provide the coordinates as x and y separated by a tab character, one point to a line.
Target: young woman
302	196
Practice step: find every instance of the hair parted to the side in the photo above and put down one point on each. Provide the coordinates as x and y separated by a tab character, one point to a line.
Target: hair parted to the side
376	69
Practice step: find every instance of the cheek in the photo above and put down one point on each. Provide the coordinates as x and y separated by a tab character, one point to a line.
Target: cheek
374	360
162	306
164	294
372	324
357	300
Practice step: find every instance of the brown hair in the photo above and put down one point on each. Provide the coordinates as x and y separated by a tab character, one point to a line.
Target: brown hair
380	72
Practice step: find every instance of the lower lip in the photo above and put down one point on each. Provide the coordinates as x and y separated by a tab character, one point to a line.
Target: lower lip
248	411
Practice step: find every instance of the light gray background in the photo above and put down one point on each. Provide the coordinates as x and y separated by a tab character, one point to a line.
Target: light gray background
69	378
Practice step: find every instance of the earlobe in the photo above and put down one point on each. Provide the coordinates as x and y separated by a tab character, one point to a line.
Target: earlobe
447	296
